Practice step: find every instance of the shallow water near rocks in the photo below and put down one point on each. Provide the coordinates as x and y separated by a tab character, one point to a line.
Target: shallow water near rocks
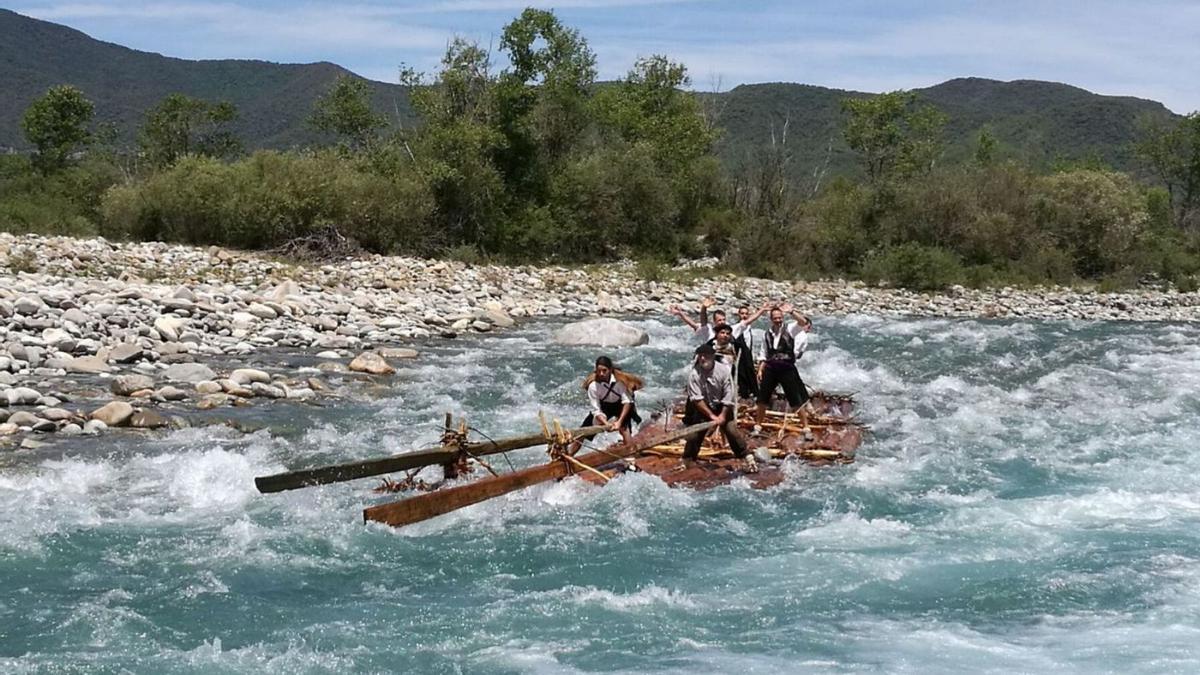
1029	501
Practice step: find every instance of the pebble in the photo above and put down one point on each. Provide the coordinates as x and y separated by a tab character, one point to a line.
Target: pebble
125	353
267	390
22	418
208	387
169	393
248	375
148	418
127	385
22	396
234	389
87	365
56	414
371	362
113	414
189	372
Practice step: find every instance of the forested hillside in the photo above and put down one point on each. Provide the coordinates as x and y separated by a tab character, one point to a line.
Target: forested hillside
272	99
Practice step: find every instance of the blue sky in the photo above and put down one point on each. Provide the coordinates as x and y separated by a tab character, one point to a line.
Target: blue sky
1146	48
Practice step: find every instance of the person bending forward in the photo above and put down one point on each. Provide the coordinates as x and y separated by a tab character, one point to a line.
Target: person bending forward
710	397
610	392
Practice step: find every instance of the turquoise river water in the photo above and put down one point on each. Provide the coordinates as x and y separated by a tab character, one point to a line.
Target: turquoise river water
1029	501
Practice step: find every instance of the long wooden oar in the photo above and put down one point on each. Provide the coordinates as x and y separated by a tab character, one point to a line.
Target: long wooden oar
426	506
291	480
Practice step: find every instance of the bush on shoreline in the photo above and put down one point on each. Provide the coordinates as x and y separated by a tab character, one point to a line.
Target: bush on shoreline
268	199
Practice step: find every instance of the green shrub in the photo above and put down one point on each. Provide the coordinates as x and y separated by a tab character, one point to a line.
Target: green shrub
466	253
271	198
1044	263
613	203
63	203
913	266
651	270
1117	281
1097	215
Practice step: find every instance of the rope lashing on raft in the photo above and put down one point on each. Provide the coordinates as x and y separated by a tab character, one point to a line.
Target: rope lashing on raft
559	447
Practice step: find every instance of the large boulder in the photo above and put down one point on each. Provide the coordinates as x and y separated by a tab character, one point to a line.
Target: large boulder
601	333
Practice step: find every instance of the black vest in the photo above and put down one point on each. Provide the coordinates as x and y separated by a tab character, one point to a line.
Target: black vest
786	351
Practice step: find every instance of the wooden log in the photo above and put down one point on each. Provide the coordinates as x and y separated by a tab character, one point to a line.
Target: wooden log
426	506
795	423
410	460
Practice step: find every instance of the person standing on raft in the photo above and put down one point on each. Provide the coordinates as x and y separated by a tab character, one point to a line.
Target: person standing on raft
782	346
610	393
710	398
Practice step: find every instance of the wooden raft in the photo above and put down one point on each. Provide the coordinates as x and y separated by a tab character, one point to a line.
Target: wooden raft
823	432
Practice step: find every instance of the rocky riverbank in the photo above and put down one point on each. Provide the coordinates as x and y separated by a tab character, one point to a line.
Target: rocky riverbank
131	329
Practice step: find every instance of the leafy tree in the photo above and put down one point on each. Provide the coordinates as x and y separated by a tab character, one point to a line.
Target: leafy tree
1172	151
346	112
985	147
542	98
1098	215
57	125
181	125
462	89
455	148
650	106
893	135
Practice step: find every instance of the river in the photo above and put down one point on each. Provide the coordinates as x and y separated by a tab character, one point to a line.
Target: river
1028	501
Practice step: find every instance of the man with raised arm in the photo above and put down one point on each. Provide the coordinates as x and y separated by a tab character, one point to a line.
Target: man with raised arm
782	345
702	329
743	328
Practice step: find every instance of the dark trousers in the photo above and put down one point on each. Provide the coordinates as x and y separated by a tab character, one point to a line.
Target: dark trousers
612	411
733	435
782	373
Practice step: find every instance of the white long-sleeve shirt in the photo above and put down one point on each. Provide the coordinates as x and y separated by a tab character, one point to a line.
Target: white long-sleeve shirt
612	391
752	336
794	329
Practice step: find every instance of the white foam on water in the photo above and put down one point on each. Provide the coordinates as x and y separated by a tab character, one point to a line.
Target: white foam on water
294	656
534	657
852	532
648	596
58	495
1113	510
